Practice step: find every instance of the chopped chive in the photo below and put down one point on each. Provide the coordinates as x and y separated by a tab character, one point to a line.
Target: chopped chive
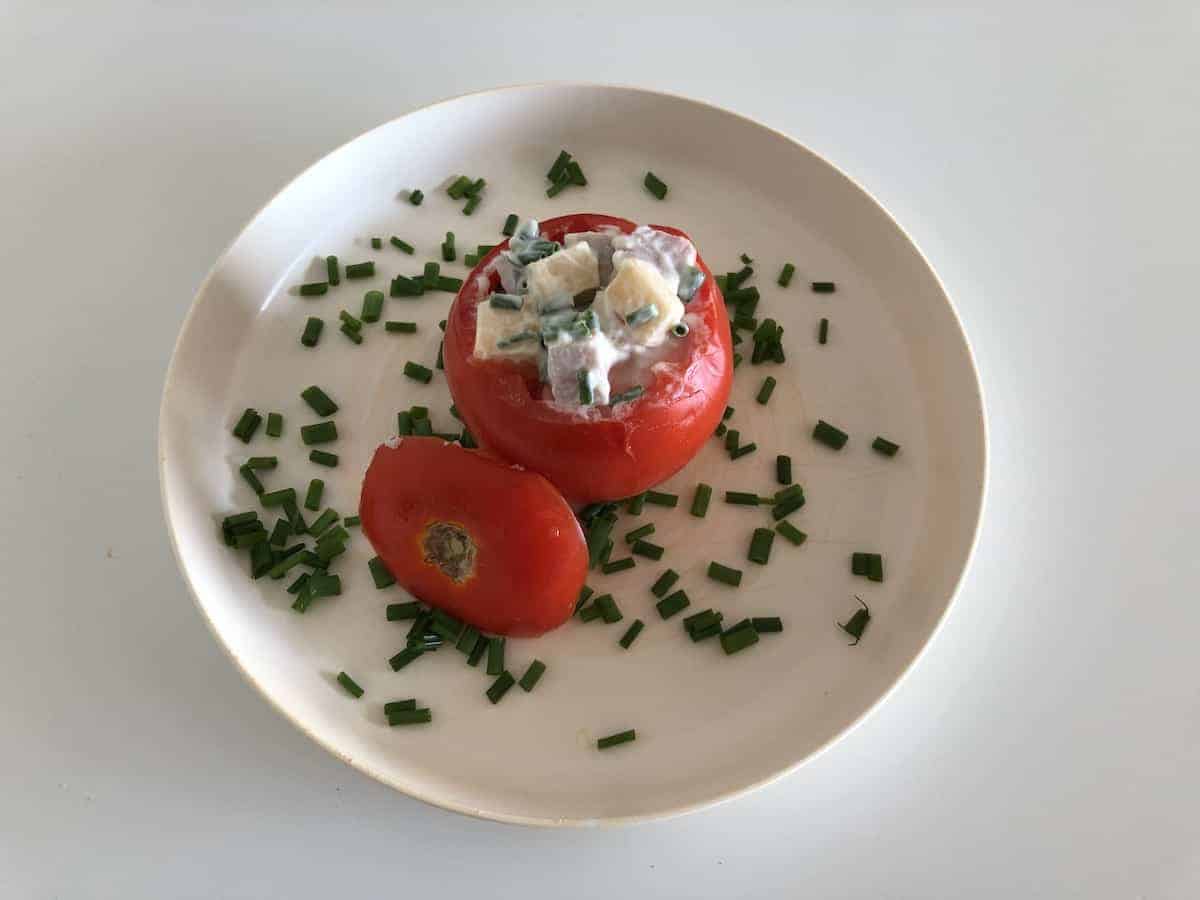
741	498
767	624
351	333
500	686
458	187
764	392
510	225
247	425
875	567
791	532
314	288
298	585
448	284
732	436
410	717
244	518
584	593
418	372
724	574
482	250
635	504
744	299
416	196
261	558
827	434
823	287
471	260
404	657
292	511
647	549
422	427
576	173
401	327
606	553
505	301
585	387
467	641
323	585
788	493
331	270
372	308
449	254
477	652
319	401
631	634
380	573
376	243
641	315
278	498
879	445
559	165
672	604
430	275
609	610
403	246
785	275
743	450
319	433
640	532
701	500
739	637
281	532
321	458
396	706
857	623
858	563
475	187
406	287
361	270
532	675
655	185
823	332
312	497
786	507
589	613
702	619
783	469
728	414
612	740
446	626
397	612
404	423
495	656
618	565
472	204
419	412
665	582
274	424
252	538
721	430
659	498
289	562
347	682
251	479
348	321
625	396
563	182
760	546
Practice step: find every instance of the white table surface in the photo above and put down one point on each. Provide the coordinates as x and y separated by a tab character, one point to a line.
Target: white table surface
1048	743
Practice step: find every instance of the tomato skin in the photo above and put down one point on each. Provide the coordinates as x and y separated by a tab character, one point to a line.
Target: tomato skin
531	559
614	452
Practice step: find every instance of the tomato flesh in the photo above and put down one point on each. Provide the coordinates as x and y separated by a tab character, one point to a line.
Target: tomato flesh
611	452
492	544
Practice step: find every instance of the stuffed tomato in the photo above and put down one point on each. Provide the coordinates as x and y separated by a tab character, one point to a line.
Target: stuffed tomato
592	351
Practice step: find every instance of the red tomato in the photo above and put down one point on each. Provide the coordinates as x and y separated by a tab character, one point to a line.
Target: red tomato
490	543
613	451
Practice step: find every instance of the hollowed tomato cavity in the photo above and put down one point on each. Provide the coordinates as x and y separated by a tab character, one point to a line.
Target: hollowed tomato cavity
449	547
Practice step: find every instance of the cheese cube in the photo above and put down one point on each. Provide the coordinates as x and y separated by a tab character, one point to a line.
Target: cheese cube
495	328
638	284
556	279
668	253
602	246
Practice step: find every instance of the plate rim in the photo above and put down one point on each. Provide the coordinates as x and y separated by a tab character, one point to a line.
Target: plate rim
428	797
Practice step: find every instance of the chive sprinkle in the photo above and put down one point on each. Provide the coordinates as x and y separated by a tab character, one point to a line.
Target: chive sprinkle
741	498
397	612
791	532
401	327
665	582
312	497
743	450
251	479
318	400
372	308
739	637
476	654
760	546
401	245
764	392
458	187
625	396
348	321
823	287
376	243
416	196
510	225
448	284
247	425
351	333
640	532
321	458
824	433
631	634
785	275
879	445
585	387
732	436
783	469
404	657
278	498
449	254
274	424
314	289
635	504
410	717
396	706
281	532
787	506
361	270
609	610
323	523
319	433
532	675
380	573
613	740
701	500
655	185
468	640
659	498
418	372
495	656
767	624
618	565
500	687
472	204
589	613
823	332
349	683
647	549
672	604
724	574
857	623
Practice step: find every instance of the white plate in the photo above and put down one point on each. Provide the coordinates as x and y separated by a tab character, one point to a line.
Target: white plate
709	726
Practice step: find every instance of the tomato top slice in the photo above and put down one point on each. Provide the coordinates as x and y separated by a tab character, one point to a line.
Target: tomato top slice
608	452
489	542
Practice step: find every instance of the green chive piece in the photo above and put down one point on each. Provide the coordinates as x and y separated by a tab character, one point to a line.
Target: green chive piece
361	270
823	332
319	401
352	521
376	243
760	546
380	573
477	653
532	675
419	412
274	424
879	445
247	425
665	582
823	287
298	585
468	639
321	458
658	498
398	612
858	563
323	523
655	185
641	315
510	225
448	284
475	188
314	288
585	387
410	717
783	469
345	680
251	479
647	549
703	619
732	436
416	196
584	593
303	600
500	686
430	275
741	498
401	327
404	657
672	604
495	656
312	497
401	245
724	574
618	565
372	308
418	372
612	740
422	427
244	518
505	301
396	706
351	333
785	276
281	532
767	624
404	423
446	626
559	165
471	260
348	321
739	637
449	254
640	532
559	186
701	500
791	532
824	433
588	613
786	507
857	623
609	610
472	204
324	585
331	270
261	557
721	430
278	498
788	493
631	634
764	392
875	567
743	450
312	331
406	287
281	568
635	504
626	396
728	414
252	538
318	433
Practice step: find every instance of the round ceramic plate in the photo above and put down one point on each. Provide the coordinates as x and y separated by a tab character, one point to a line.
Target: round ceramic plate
709	725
